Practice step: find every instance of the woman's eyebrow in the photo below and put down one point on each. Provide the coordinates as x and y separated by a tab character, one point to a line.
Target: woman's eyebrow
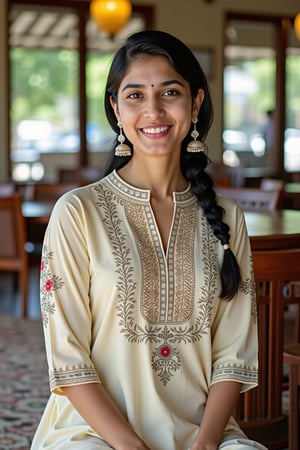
162	84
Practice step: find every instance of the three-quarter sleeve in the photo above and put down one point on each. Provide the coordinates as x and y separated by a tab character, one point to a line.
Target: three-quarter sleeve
64	296
234	328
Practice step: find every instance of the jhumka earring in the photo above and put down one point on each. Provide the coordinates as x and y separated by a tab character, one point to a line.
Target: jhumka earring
122	149
196	146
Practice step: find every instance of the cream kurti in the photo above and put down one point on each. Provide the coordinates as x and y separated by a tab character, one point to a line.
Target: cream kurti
146	323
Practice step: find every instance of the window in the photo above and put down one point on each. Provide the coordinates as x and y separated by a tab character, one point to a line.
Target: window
260	132
292	123
43	87
57	107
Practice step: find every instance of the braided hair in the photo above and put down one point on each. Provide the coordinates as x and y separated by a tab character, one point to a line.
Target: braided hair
193	165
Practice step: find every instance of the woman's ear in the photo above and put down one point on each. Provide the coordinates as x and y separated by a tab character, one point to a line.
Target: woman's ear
114	106
198	100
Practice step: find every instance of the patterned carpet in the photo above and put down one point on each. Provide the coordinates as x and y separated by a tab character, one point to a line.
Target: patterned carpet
24	387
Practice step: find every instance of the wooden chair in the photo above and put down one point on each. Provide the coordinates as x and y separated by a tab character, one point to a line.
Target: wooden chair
259	411
291	356
13	255
252	199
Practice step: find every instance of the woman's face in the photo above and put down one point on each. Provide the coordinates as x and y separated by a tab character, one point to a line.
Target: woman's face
155	106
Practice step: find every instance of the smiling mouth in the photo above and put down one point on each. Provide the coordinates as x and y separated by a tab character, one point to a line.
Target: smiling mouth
154	131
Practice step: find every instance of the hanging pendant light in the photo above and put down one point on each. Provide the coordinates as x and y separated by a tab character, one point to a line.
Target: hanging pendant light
110	15
297	25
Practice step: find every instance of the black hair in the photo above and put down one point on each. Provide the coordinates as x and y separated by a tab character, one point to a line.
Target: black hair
193	165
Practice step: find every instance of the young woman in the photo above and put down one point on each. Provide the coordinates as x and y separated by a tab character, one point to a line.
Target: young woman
147	284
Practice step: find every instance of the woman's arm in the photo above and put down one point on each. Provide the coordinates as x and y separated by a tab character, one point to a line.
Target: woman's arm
97	408
221	401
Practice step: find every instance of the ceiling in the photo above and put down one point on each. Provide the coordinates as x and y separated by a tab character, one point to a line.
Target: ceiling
250	40
53	28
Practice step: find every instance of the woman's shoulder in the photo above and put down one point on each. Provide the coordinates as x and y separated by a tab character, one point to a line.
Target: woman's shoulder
78	200
81	193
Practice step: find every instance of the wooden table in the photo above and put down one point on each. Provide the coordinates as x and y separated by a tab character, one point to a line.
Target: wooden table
273	230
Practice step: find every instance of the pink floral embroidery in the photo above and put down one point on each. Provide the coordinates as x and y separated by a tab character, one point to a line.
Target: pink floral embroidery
49	285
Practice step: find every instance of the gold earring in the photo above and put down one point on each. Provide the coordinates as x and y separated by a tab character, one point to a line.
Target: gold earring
196	146
122	149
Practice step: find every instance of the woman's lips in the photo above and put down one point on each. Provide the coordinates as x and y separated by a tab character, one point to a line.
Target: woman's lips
156	131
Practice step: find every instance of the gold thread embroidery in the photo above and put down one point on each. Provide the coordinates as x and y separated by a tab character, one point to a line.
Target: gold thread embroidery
167	290
166	358
241	372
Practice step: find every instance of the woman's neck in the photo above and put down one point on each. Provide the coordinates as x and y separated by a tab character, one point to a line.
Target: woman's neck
160	177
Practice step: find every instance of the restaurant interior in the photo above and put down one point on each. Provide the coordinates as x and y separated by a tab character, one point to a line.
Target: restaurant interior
54	58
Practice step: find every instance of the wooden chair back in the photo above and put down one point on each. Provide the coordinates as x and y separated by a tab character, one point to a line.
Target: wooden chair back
260	410
13	255
252	199
291	357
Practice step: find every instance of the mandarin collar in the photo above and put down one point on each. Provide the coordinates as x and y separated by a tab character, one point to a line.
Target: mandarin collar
140	195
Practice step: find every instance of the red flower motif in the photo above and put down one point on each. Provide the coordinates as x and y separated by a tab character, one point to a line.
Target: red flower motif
42	265
165	351
49	285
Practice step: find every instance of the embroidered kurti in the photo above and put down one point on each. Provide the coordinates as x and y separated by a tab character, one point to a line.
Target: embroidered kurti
145	322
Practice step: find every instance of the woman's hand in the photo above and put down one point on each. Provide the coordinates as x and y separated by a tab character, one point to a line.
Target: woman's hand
95	405
203	446
220	403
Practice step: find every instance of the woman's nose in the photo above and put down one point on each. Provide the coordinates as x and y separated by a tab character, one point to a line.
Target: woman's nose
153	107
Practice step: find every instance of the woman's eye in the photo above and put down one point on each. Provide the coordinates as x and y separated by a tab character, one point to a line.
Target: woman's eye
134	95
170	93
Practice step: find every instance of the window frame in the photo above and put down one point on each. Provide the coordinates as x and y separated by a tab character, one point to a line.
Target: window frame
81	9
282	27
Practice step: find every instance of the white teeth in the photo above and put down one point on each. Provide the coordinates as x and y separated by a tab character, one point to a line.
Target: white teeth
155	130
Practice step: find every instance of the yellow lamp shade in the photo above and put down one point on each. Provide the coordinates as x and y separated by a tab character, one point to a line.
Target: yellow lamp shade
110	15
297	25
